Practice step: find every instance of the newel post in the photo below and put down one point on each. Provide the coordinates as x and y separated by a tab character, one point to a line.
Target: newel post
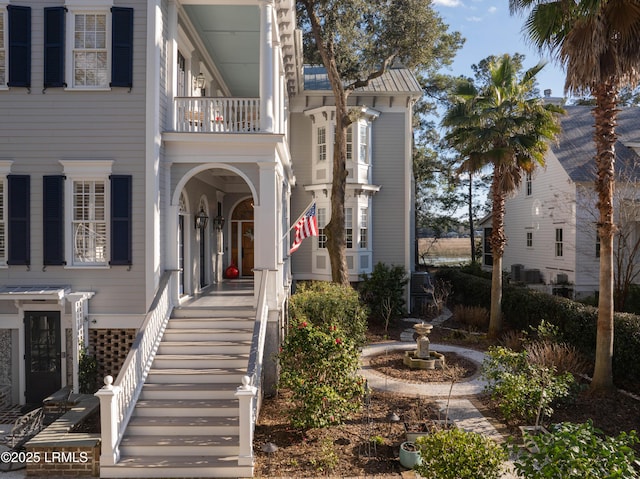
246	395
108	421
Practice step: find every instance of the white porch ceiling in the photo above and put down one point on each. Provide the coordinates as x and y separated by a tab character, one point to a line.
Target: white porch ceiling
231	34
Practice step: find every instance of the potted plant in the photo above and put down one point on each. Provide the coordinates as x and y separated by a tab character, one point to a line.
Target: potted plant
415	421
409	455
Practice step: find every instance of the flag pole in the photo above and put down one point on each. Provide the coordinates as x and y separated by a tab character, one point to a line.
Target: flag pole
299	217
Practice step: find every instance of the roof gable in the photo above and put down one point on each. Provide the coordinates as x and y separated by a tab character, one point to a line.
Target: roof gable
576	150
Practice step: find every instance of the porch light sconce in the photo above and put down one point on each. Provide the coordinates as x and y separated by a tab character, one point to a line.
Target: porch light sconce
218	223
201	219
199	81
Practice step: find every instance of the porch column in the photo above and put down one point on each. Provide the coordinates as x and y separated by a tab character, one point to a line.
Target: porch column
80	331
172	256
266	219
266	66
172	54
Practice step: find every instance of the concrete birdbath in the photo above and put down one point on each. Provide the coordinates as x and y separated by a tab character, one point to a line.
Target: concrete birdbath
422	357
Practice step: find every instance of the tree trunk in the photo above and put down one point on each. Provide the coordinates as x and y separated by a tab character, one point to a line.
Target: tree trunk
336	237
472	231
605	120
335	230
497	241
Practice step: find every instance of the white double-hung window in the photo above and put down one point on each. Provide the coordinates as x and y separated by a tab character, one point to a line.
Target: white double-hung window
89	44
90	53
321	140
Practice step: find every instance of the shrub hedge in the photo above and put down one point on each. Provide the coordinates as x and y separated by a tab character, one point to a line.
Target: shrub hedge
524	308
329	304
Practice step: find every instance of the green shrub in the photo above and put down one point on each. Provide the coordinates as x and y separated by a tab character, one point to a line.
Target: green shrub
458	454
577	451
87	372
383	291
466	289
524	391
322	303
524	308
319	365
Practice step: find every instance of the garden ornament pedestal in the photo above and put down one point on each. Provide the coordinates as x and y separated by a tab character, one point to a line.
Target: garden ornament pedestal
422	357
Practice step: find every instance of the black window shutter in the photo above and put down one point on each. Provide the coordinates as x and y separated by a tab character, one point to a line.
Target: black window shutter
122	47
54	47
121	219
18	219
19	46
53	222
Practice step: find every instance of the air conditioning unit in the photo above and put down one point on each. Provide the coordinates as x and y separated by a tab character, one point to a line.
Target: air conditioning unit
516	272
532	276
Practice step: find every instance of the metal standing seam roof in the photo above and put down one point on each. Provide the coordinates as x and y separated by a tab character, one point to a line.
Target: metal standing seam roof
395	80
33	292
576	149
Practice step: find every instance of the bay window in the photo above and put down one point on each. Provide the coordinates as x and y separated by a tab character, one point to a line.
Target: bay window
364	228
322	223
363	142
348	226
321	141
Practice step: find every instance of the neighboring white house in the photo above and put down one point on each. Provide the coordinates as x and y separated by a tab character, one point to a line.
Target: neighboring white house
126	125
550	223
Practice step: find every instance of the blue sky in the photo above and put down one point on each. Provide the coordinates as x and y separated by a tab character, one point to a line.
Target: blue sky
490	30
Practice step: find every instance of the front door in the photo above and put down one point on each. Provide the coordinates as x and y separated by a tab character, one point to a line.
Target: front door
43	354
242	237
247	248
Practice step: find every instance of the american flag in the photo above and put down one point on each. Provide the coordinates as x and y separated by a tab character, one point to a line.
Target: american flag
306	226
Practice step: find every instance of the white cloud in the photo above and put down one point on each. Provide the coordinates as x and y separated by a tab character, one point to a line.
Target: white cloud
448	3
474	19
492	9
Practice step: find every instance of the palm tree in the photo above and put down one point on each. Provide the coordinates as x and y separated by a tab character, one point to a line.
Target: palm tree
501	125
598	43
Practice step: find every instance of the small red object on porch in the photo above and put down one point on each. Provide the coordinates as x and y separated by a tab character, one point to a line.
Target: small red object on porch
231	272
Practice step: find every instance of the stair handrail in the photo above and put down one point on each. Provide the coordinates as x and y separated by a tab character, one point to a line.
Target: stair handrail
118	398
247	393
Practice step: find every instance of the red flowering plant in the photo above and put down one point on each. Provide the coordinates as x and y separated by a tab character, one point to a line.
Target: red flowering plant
319	366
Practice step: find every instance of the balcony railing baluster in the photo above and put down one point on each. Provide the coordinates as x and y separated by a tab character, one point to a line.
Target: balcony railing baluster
217	115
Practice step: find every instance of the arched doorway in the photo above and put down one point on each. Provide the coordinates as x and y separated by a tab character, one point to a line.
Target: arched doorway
242	237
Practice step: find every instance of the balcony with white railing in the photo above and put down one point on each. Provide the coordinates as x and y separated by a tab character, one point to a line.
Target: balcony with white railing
217	115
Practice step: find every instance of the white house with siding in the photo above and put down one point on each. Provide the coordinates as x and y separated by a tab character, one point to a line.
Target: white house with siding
550	223
147	146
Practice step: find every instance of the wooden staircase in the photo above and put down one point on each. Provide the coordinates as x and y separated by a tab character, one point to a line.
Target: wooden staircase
185	423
